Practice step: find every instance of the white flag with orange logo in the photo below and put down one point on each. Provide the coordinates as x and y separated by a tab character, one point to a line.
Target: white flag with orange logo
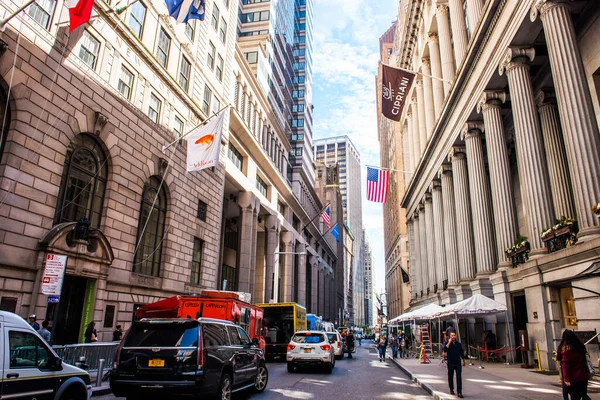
204	145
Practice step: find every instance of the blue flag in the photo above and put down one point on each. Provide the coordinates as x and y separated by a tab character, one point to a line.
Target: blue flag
184	10
336	233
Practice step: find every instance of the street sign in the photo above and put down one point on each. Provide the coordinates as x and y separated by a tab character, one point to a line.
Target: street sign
53	299
54	272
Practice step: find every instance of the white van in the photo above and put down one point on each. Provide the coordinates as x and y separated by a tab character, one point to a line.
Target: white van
32	370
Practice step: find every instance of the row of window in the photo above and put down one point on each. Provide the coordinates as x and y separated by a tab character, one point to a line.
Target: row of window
256	16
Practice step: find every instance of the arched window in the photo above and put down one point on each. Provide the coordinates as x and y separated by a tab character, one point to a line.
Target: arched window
4	120
151	227
83	182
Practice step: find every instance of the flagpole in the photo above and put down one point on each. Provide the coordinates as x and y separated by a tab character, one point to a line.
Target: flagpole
5	21
419	73
319	213
119	10
390	169
164	148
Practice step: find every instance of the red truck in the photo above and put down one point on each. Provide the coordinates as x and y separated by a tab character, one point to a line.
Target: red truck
209	304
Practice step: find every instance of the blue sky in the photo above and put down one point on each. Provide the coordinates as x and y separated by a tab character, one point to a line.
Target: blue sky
345	56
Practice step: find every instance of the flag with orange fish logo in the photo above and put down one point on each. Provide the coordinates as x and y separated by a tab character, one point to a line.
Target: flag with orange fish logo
204	145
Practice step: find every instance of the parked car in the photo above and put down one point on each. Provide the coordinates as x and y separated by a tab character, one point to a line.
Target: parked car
310	348
161	357
335	339
31	369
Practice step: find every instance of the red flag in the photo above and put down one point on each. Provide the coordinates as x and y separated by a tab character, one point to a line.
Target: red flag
80	12
395	85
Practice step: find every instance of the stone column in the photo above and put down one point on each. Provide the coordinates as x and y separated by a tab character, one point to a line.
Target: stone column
459	30
447	57
314	301
579	125
415	130
321	285
438	222
421	108
531	160
254	242
474	10
428	91
423	249
505	217
483	222
464	233
430	227
301	248
560	184
450	240
247	234
410	225
271	259
436	71
288	266
417	254
407	148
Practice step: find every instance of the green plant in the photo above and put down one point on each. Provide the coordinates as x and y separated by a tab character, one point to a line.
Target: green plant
520	243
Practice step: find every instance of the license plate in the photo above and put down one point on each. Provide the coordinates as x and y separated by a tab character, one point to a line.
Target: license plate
307	350
156	363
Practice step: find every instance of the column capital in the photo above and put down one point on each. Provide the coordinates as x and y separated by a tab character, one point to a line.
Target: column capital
271	223
491	98
445	169
541	7
457	152
287	237
471	129
432	37
427	197
442	9
426	62
419	82
545	97
516	56
422	206
435	185
247	200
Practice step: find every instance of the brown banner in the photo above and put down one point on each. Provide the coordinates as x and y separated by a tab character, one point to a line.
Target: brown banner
395	86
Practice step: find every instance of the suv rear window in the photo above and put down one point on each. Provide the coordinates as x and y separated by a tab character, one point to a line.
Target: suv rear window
307	337
162	335
332	336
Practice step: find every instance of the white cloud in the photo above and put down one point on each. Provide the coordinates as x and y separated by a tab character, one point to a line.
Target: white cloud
345	57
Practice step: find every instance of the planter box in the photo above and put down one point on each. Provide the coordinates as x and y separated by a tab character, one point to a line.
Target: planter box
519	256
557	240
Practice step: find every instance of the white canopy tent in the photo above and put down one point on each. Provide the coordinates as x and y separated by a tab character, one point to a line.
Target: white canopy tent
425	312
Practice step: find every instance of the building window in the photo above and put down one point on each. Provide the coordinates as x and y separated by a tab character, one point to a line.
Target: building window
8	303
154	108
210	58
219	70
184	73
190	29
215	17
125	84
178	127
298	94
196	261
162	48
89	50
298	151
41	11
137	16
251	57
298	108
235	156
202	210
109	316
261	186
298	123
299	79
223	30
207	99
216	105
83	182
151	226
255	16
228	279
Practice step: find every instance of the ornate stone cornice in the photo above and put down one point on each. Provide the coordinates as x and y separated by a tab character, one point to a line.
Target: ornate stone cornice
515	56
491	98
541	7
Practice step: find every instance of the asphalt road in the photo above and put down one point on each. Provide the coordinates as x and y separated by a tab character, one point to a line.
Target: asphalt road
362	377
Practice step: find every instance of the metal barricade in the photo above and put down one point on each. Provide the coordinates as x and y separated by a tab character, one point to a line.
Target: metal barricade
88	355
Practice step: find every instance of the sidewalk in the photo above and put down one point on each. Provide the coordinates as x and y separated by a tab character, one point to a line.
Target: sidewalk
101	390
495	381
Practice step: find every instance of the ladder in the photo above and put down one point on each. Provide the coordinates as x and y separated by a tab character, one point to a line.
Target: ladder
426	349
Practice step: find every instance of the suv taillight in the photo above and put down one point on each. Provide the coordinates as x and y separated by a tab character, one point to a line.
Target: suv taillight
339	344
118	355
290	347
326	347
201	351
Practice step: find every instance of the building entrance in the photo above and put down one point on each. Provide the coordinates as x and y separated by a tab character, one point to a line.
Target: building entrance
519	319
66	316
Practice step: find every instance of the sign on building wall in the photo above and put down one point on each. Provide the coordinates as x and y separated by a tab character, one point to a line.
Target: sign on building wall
54	273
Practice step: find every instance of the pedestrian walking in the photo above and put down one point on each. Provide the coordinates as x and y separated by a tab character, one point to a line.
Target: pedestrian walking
394	345
44	332
454	353
571	353
350	343
382	346
90	334
402	346
32	322
117	334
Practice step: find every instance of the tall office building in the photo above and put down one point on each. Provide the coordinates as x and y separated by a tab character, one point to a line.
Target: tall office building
369	291
341	150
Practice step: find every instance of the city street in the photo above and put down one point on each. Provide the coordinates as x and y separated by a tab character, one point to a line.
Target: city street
362	377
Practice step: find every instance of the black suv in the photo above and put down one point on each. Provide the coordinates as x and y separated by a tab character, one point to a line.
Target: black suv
162	357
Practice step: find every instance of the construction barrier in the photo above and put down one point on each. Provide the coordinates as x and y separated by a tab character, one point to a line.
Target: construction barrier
88	355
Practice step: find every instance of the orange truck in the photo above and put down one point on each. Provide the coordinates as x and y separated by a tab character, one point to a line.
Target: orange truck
209	304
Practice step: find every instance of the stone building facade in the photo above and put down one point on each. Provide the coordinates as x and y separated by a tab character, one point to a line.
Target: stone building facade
502	133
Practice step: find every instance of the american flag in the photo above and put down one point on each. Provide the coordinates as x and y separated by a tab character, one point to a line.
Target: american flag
326	216
377	184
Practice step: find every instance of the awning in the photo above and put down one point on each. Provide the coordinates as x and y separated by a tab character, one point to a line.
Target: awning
422	313
475	306
592	271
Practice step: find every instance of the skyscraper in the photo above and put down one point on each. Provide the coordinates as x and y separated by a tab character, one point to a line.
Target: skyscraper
341	150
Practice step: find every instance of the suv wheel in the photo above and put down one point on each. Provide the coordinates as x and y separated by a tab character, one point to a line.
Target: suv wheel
290	367
329	367
261	379
225	388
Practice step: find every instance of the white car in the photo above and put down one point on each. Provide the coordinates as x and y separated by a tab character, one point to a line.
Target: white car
310	348
335	339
